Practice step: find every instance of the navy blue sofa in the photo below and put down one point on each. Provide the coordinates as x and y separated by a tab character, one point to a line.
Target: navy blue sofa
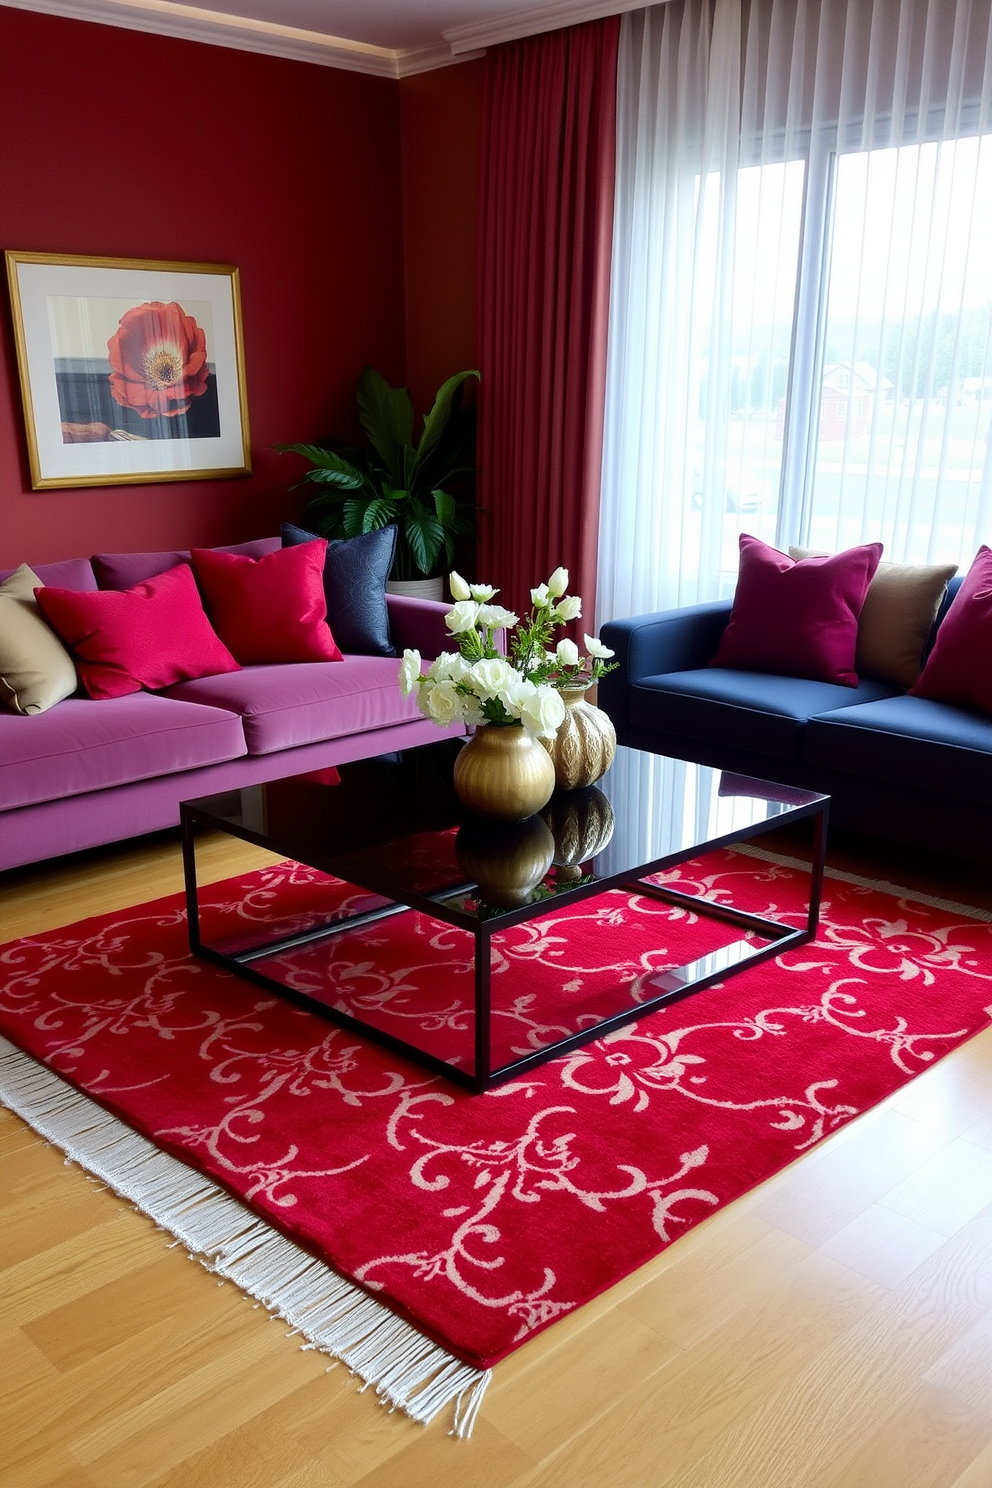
898	767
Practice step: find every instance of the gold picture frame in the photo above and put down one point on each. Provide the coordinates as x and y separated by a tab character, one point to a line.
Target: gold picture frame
132	370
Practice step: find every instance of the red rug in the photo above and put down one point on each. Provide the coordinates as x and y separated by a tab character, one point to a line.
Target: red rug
483	1218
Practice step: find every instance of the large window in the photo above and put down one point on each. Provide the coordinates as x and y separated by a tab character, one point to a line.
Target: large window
801	318
908	314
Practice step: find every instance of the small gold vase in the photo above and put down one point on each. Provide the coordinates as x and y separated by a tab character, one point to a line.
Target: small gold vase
583	748
504	773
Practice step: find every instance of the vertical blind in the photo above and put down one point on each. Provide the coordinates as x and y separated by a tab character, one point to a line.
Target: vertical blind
800	339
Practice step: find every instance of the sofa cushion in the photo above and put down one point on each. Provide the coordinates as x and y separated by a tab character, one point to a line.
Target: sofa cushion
907	741
86	746
896	618
756	711
355	574
36	671
150	636
268	609
69	573
959	668
124	570
799	619
283	706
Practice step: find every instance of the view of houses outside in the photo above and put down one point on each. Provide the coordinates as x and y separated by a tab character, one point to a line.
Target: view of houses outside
900	400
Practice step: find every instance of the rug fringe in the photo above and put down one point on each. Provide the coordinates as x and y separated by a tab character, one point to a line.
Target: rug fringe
407	1371
898	891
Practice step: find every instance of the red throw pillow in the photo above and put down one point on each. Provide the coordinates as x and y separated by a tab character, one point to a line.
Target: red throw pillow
797	618
150	636
271	608
959	668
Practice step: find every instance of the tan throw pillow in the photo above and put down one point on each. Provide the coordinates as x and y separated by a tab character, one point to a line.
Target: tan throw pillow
898	613
36	671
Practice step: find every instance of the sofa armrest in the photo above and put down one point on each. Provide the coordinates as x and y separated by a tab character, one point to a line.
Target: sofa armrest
418	625
667	641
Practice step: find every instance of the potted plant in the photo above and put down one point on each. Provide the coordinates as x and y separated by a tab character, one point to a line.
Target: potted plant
397	478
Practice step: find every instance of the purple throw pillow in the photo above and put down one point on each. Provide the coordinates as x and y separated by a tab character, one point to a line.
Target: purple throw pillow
797	618
959	668
124	570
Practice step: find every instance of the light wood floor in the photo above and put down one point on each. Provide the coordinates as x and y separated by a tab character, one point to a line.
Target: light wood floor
831	1330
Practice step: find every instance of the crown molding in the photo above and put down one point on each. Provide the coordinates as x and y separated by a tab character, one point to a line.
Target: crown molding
213	28
427	59
552	16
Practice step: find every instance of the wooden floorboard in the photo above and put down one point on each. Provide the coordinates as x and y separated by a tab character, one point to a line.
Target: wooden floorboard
832	1329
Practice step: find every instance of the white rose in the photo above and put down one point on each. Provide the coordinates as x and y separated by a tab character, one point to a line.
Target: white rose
543	713
488	677
482	592
494	617
409	672
558	583
515	692
424	700
462	616
471	709
444	703
540	596
567	653
596	648
457	585
570	608
441	667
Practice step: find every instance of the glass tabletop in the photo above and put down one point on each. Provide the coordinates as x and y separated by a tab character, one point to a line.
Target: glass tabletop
393	825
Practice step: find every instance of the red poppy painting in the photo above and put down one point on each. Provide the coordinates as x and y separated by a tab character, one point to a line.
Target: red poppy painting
158	357
131	370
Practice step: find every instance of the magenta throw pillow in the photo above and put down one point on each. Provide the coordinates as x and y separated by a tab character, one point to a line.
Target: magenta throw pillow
269	609
959	668
797	618
151	636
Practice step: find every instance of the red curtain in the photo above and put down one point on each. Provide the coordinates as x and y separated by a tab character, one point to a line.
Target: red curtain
546	226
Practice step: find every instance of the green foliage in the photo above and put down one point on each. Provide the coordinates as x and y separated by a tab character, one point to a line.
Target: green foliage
396	477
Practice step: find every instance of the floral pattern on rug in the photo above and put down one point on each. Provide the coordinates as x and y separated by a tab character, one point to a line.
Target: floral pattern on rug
483	1218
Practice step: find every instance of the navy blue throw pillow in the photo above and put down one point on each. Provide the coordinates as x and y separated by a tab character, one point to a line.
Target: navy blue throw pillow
355	573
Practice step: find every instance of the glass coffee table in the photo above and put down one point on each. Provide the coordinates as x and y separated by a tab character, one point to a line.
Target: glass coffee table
392	831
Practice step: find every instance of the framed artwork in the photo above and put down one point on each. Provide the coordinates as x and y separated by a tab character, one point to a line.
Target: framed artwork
130	370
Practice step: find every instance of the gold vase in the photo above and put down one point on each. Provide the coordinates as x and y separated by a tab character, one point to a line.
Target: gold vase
507	860
581	823
584	746
504	773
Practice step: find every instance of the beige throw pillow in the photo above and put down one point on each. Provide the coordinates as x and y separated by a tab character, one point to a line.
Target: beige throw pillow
36	671
899	610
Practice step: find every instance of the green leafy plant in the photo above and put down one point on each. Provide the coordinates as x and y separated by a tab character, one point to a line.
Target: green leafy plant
397	478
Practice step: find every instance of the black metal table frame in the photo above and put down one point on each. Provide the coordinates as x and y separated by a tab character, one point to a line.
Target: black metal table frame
673	984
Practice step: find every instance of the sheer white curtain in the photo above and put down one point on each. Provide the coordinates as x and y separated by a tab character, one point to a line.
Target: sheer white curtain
801	299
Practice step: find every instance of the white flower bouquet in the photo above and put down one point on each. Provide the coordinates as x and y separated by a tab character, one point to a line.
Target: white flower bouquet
481	684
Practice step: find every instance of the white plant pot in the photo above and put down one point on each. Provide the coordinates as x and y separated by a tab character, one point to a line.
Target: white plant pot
416	588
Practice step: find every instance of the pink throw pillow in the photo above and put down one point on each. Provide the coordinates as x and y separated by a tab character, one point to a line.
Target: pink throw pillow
797	618
269	609
959	668
150	636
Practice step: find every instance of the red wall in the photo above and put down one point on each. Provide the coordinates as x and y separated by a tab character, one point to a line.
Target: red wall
441	123
122	144
441	116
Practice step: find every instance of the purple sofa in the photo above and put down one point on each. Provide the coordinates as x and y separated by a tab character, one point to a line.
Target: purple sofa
86	773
